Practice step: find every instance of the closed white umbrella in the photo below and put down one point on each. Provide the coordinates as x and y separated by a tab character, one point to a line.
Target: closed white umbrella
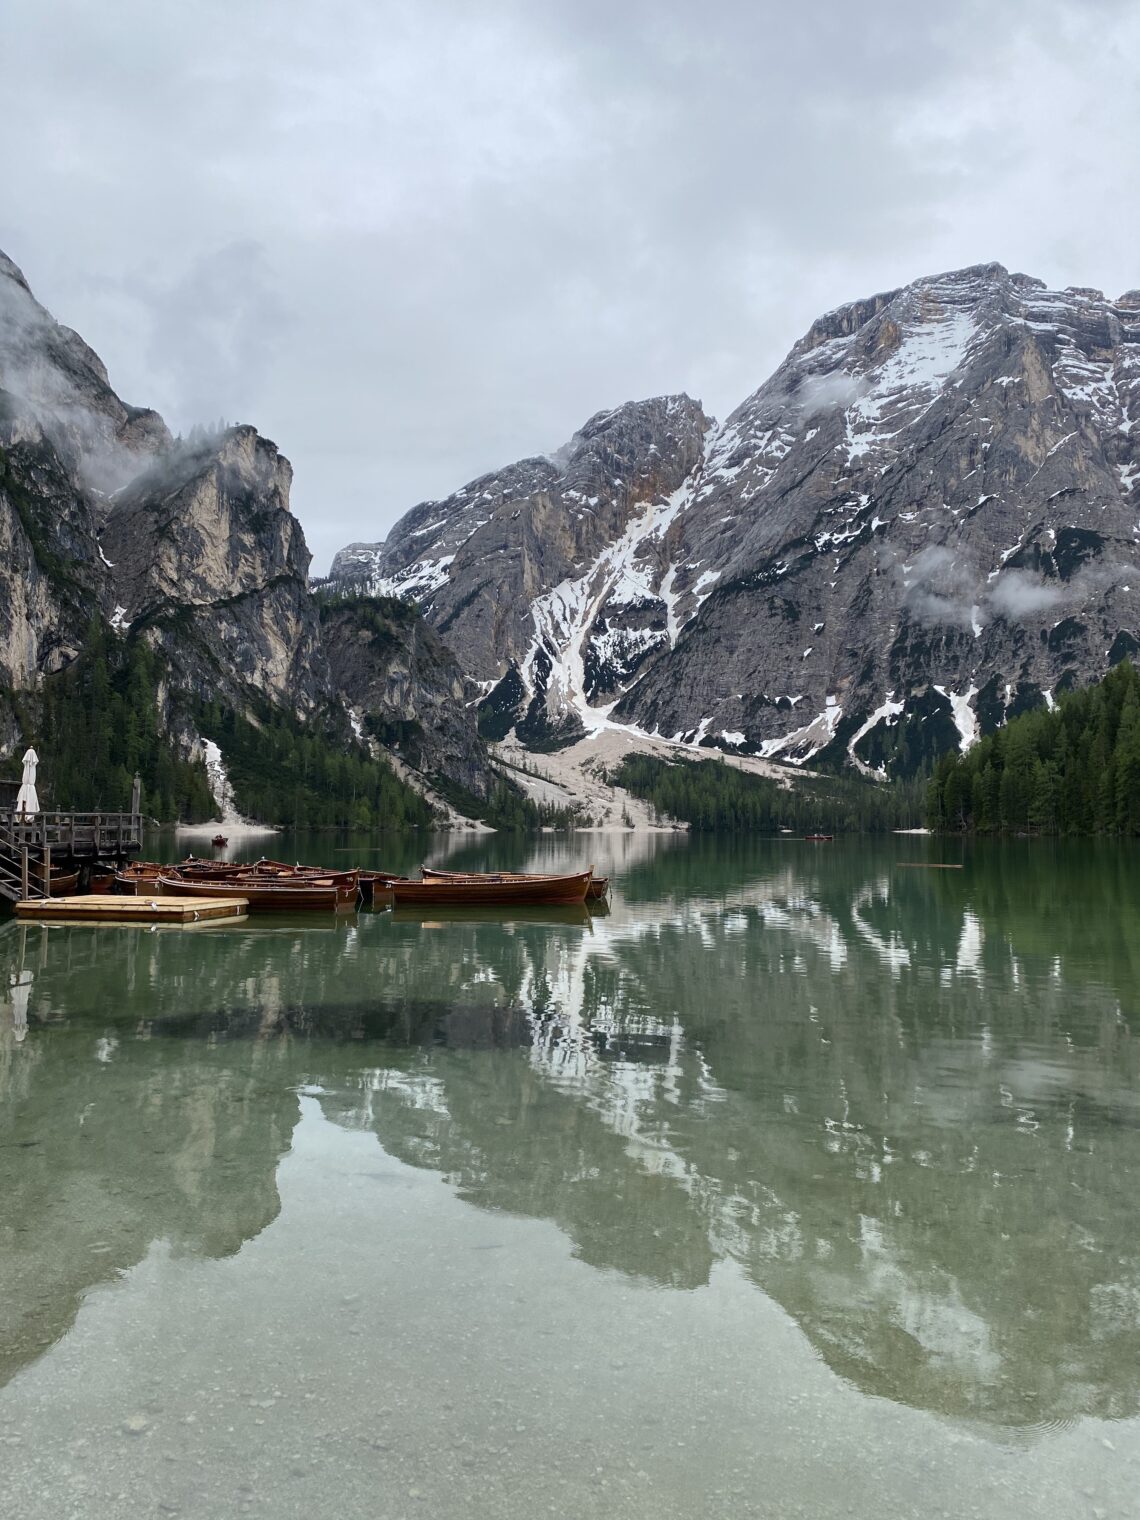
27	802
21	991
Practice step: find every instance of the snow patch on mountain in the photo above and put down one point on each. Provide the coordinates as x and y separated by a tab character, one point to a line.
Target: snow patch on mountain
221	788
965	718
564	616
885	713
416	581
909	383
802	744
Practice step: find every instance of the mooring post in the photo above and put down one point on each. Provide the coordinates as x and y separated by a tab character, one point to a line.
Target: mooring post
24	873
47	866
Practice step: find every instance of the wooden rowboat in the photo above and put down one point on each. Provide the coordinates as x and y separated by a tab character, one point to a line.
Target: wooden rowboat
269	871
599	885
374	886
63	883
139	877
312	892
468	891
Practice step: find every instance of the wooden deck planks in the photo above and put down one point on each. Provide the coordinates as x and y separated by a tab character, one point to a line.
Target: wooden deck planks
108	908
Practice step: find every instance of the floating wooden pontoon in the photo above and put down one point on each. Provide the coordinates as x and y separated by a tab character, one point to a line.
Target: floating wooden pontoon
107	908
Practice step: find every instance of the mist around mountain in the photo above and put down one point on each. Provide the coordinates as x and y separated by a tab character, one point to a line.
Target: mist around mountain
166	580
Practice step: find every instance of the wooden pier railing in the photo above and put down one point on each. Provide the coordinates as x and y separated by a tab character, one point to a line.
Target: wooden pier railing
28	845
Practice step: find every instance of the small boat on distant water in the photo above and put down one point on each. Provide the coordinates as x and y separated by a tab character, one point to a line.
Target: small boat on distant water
599	885
469	891
219	840
819	838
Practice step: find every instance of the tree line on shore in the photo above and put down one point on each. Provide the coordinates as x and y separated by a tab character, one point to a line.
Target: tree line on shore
1072	770
717	796
95	726
288	773
100	722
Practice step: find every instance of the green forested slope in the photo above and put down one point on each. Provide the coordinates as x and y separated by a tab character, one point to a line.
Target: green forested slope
102	719
1075	770
716	796
97	723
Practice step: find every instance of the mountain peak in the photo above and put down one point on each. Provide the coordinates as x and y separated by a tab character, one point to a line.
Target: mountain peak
10	270
925	517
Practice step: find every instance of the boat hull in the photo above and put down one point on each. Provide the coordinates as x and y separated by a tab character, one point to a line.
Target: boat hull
470	892
599	885
263	895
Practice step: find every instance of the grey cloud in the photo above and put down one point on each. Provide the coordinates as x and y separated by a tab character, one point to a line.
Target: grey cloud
49	372
1016	595
939	586
487	223
828	393
216	330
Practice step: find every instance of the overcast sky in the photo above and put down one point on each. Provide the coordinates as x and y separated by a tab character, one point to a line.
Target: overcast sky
415	241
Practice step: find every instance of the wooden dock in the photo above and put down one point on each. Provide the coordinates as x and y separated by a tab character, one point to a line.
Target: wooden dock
31	845
106	908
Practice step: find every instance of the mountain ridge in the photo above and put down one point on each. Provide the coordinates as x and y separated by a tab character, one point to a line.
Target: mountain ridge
863	562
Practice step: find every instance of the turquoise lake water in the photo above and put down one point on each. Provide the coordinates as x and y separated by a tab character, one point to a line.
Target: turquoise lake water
803	1182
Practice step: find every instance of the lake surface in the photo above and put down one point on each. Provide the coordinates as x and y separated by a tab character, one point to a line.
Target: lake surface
801	1183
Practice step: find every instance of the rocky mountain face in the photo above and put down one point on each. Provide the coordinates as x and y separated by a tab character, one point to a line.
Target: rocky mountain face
594	517
403	688
202	550
189	544
64	436
926	520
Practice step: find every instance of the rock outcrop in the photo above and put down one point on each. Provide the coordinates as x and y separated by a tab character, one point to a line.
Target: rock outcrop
205	554
403	689
478	561
924	521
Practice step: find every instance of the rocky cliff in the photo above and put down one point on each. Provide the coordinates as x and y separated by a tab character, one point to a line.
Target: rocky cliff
926	519
403	688
191	545
203	552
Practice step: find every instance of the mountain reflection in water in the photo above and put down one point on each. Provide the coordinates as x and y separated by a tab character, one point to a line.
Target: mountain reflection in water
904	1102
